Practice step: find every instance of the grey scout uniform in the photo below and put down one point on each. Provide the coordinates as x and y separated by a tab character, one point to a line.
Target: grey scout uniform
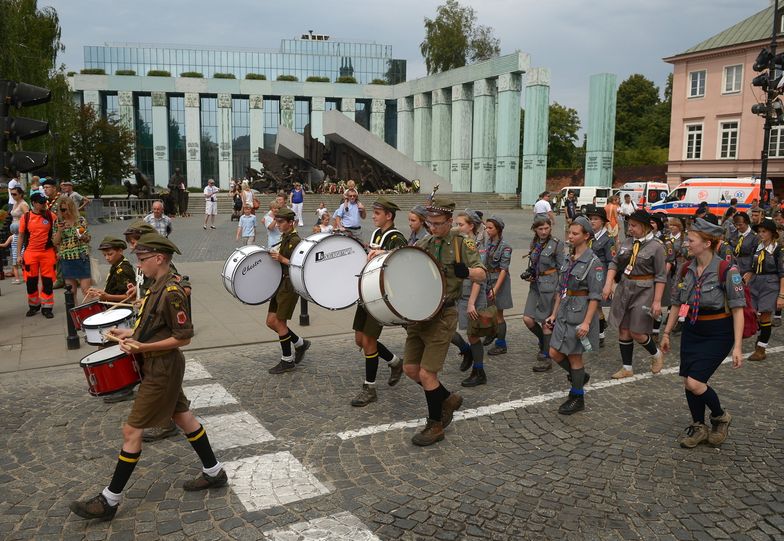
541	296
633	292
712	293
744	249
679	257
585	276
603	248
481	298
499	257
764	285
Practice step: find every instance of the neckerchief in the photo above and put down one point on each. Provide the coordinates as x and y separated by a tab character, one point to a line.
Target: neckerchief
565	277
695	303
535	254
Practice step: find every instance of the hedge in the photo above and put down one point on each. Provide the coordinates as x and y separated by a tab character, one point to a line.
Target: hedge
346	79
158	73
287	78
125	72
93	71
194	74
256	76
317	79
223	76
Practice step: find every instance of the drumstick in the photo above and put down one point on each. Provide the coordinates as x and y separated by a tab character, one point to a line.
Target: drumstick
115	304
115	339
118	304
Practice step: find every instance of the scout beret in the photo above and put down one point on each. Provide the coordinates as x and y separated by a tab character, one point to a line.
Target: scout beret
768	224
497	220
441	205
744	216
583	221
48	181
473	216
285	213
155	243
420	211
592	210
139	228
382	202
640	216
659	219
110	242
701	225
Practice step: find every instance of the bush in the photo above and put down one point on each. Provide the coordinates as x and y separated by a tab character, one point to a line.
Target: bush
378	82
125	72
256	76
158	73
71	73
194	74
287	78
93	71
346	79
317	79
223	76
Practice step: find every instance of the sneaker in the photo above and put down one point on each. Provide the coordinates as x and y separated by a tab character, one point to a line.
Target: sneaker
468	359
694	434
395	372
575	403
759	354
720	428
282	366
16	281
601	339
159	433
450	405
622	373
96	507
47	313
204	481
432	433
299	353
477	377
32	310
497	350
205	228
657	362
365	396
119	396
212	227
543	364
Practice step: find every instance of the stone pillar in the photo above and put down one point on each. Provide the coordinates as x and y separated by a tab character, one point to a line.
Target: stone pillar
441	137
377	117
507	161
317	106
423	125
287	112
349	107
193	138
483	147
460	148
224	141
405	126
160	138
256	103
601	130
125	106
537	113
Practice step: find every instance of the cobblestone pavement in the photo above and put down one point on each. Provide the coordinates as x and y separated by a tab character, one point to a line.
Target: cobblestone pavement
301	468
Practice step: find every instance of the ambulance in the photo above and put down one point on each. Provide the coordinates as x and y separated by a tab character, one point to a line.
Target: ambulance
643	194
717	192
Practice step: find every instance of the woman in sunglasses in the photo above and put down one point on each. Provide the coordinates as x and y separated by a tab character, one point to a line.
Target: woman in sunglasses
73	245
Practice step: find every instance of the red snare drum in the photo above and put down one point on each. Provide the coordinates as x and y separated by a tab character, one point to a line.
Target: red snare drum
83	311
109	370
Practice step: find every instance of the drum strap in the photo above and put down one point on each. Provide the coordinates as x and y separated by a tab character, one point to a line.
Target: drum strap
384	237
458	248
147	316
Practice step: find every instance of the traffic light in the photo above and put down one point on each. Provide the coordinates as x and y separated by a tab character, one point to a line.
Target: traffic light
15	129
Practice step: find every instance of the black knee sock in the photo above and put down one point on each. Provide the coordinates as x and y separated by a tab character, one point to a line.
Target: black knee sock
578	380
500	332
627	351
371	367
459	342
123	470
696	407
602	325
296	341
285	347
478	351
564	363
657	325
777	314
546	344
650	346
435	400
537	331
201	444
711	400
765	332
384	353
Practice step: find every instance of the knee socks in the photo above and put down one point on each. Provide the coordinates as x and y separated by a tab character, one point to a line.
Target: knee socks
546	345
578	380
384	353
285	347
696	407
478	351
650	346
627	353
764	333
201	444
500	334
435	400
602	323
126	463
564	363
459	342
537	331
656	326
711	399
371	367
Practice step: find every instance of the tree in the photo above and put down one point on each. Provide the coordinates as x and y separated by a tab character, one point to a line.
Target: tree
453	38
564	124
102	150
637	96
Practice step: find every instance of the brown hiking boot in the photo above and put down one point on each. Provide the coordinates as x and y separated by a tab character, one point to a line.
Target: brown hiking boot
695	434
365	396
432	433
96	507
395	372
450	405
720	429
204	481
159	433
622	373
759	354
543	364
657	362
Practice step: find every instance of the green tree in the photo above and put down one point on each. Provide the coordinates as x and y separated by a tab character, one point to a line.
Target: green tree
637	97
102	151
453	38
564	124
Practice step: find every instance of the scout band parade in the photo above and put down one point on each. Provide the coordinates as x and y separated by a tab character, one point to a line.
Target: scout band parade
702	278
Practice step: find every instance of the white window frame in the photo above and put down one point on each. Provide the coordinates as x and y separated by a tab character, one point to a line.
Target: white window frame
686	140
738	82
704	83
778	133
719	139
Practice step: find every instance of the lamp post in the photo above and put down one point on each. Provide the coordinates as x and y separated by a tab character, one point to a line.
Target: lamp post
771	95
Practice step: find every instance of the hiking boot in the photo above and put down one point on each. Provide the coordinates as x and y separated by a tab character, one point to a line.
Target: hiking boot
759	354
657	362
395	372
365	396
586	379
477	377
47	313
204	481
96	507
601	339
575	403
720	428
543	364
159	433
32	310
488	340
282	366
432	433
299	353
120	396
497	350
622	373
450	405
468	359
695	434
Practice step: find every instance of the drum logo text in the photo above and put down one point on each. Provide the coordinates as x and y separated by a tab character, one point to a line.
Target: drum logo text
251	267
321	256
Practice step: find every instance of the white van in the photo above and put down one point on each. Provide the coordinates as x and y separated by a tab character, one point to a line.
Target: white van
584	196
643	194
717	192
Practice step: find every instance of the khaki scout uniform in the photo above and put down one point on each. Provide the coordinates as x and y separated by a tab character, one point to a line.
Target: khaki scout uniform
428	342
386	240
163	314
120	275
285	300
541	296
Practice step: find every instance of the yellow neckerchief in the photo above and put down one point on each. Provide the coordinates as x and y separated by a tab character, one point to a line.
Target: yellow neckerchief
636	248
741	236
762	249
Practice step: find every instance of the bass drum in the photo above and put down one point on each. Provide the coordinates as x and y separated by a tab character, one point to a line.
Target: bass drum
251	275
402	286
325	269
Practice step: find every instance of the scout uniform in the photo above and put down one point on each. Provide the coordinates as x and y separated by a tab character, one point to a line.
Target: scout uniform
120	274
420	211
141	228
603	246
545	260
744	246
499	258
767	268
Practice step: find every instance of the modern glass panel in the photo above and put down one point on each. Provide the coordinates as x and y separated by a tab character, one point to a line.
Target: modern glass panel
209	139
362	113
177	145
144	147
240	136
110	107
301	115
271	121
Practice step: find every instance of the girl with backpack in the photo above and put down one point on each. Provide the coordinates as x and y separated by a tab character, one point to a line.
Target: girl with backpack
710	302
766	283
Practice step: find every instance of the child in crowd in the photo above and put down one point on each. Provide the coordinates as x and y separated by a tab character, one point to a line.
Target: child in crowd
247	226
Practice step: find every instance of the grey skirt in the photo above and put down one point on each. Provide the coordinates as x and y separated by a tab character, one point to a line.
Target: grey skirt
503	301
764	290
539	305
564	339
627	306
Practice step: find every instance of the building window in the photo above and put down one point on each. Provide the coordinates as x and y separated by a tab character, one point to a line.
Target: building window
301	115
693	141
776	149
177	147
362	113
271	122
240	136
390	123
209	139
110	106
697	83
733	78
144	148
728	140
332	104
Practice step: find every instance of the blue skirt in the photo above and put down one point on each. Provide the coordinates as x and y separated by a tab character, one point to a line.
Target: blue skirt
75	269
704	346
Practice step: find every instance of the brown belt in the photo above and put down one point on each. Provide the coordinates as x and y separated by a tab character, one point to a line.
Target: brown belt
548	271
571	293
712	317
640	277
155	354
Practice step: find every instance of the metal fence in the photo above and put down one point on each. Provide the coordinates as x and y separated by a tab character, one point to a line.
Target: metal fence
123	209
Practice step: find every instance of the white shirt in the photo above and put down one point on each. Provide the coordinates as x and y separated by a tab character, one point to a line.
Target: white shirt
13	183
210	191
542	207
598	234
627	209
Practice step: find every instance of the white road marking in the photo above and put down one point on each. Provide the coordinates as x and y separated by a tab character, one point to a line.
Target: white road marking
207	396
337	527
231	430
195	370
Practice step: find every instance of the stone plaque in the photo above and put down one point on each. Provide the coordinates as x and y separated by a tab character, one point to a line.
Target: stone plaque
159	99
421	100
287	102
378	106
509	82
538	76
256	101
191	99
125	99
224	100
462	92
348	105
483	87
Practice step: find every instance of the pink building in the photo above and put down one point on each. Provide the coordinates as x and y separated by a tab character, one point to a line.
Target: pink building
713	132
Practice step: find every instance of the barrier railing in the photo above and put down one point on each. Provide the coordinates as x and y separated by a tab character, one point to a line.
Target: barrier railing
124	209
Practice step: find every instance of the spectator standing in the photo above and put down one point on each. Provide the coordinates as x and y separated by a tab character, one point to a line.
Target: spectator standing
324	226
350	214
72	240
13	183
235	193
626	210
611	211
542	208
210	203
297	198
571	210
18	207
321	211
158	220
247	226
38	256
271	226
66	190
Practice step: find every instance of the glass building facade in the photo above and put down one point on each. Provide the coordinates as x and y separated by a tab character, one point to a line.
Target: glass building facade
209	139
144	146
177	147
301	58
240	136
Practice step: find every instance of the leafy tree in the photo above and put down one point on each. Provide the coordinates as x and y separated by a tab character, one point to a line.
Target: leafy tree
564	125
102	150
453	38
637	97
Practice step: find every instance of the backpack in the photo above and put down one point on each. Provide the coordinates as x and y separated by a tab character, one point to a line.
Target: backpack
749	315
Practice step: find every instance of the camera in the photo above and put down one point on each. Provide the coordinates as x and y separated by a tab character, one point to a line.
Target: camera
528	274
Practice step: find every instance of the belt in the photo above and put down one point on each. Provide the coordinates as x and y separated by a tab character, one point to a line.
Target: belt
548	271
641	277
353	228
448	304
711	317
572	293
155	354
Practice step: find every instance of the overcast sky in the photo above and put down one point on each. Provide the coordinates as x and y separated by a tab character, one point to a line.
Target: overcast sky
574	38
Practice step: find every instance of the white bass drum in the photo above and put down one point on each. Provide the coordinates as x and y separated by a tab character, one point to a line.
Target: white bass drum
251	275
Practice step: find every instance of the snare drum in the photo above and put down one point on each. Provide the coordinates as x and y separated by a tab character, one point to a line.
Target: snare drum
94	326
83	311
251	275
325	268
109	370
402	286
